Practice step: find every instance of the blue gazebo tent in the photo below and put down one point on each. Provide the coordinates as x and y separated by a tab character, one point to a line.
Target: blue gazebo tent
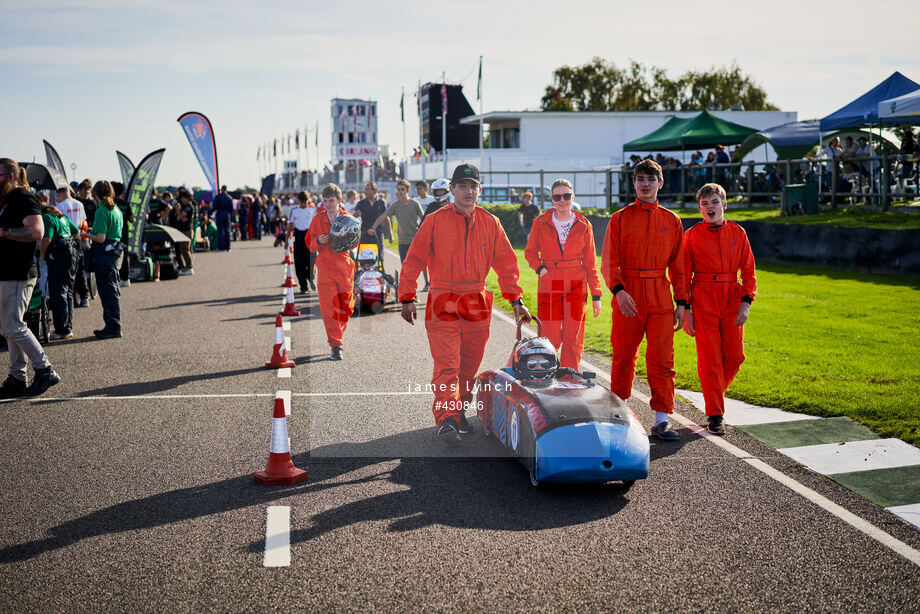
791	141
864	110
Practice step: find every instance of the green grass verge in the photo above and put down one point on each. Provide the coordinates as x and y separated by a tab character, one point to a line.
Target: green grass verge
844	218
849	217
820	342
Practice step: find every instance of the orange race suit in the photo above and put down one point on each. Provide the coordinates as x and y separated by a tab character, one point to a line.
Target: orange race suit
714	255
458	250
643	254
335	282
562	292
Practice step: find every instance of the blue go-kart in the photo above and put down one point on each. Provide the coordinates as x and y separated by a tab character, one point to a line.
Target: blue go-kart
563	427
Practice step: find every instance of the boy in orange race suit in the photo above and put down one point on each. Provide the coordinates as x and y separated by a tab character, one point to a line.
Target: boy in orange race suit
643	245
715	250
458	244
335	270
561	251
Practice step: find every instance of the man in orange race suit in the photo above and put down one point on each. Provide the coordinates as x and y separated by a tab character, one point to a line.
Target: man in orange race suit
715	250
458	244
561	251
335	270
643	244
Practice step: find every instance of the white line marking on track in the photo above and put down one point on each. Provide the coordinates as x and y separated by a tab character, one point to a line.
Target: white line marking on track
287	343
821	501
277	537
286	325
284	372
285	396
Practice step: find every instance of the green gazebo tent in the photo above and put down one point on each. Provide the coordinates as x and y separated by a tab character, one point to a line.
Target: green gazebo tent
704	130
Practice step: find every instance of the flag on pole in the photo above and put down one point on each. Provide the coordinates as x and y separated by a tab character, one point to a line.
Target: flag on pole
443	99
200	136
479	82
258	151
275	148
297	139
402	107
316	142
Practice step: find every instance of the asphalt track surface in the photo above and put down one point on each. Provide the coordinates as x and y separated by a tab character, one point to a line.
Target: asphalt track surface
141	498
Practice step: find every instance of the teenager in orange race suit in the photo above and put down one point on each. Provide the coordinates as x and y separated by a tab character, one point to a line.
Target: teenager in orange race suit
335	269
458	244
561	250
642	247
715	251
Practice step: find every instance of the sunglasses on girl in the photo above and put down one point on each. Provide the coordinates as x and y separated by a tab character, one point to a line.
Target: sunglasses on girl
561	197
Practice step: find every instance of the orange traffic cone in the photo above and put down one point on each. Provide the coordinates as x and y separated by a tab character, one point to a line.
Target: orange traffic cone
279	353
288	249
290	309
280	469
288	278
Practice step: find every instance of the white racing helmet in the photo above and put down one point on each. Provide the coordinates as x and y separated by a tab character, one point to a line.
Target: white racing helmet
345	233
441	184
367	256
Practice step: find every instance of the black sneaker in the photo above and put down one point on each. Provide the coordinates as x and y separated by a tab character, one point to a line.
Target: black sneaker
312	284
448	432
44	379
12	388
107	334
83	303
336	353
716	425
665	432
465	427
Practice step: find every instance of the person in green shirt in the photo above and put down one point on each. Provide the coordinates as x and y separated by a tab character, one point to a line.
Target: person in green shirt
107	255
209	232
59	251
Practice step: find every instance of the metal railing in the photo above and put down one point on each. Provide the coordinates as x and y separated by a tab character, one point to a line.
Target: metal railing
877	181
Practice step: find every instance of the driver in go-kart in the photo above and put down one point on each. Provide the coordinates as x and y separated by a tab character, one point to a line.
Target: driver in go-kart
534	358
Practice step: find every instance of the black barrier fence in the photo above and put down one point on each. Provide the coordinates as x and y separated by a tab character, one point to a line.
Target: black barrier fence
867	250
878	181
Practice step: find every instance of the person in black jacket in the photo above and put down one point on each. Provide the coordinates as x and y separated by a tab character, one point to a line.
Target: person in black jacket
21	226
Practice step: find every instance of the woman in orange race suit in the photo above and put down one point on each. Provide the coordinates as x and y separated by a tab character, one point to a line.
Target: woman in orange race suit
561	250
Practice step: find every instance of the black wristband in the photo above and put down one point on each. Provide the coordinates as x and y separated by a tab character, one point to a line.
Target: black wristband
541	268
595	298
681	303
617	288
517	302
747	299
407	302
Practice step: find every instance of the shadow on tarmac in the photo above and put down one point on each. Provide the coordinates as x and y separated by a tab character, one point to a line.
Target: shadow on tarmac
137	388
218	302
462	492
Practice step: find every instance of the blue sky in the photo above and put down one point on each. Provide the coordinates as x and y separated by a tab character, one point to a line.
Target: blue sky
97	75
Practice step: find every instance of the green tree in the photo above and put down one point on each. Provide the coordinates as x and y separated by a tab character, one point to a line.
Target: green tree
600	85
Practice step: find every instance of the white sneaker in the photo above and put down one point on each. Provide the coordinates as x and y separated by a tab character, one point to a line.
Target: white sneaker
187	272
125	283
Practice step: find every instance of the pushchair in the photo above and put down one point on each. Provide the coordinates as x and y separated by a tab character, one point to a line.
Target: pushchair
38	317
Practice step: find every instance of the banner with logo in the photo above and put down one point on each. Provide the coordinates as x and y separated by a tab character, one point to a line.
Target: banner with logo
200	136
137	191
125	166
54	160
